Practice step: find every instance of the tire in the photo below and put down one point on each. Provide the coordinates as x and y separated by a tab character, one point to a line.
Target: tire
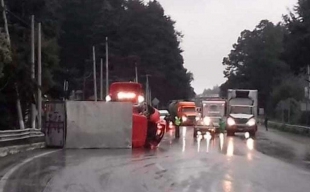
230	133
252	133
213	135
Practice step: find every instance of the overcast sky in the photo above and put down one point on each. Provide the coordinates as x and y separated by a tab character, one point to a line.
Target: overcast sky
210	27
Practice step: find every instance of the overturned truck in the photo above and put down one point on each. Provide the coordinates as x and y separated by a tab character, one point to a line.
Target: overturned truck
124	121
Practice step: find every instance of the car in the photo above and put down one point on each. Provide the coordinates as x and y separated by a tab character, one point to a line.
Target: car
163	114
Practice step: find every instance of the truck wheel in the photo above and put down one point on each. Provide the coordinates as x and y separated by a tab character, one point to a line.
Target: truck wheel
230	133
252	133
213	135
195	133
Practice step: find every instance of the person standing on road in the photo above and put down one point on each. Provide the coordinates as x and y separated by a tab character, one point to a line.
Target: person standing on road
266	122
177	123
222	125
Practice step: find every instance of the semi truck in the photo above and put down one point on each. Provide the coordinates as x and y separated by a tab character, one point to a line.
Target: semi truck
185	110
241	111
211	109
147	129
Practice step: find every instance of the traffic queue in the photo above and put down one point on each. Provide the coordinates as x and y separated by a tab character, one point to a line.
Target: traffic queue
237	113
207	115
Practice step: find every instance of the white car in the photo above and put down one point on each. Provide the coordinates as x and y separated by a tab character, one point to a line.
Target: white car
163	113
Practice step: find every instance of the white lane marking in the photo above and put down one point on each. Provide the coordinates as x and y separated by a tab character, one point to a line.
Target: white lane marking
8	174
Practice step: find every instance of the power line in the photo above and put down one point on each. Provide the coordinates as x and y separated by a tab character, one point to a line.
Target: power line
19	18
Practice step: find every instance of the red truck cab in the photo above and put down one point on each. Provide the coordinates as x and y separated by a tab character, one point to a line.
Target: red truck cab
126	92
146	129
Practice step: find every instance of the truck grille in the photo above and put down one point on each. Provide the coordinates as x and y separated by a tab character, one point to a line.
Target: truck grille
191	118
241	120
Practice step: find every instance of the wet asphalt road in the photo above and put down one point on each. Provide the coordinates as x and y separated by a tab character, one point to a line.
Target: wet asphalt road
229	164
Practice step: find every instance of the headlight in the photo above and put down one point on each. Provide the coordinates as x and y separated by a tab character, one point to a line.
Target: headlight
231	121
207	120
197	118
140	99
108	98
251	122
184	118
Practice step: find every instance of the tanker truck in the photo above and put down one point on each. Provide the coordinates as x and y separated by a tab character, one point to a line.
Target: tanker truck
241	111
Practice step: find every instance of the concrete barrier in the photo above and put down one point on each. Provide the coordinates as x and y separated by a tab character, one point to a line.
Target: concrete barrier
54	123
98	125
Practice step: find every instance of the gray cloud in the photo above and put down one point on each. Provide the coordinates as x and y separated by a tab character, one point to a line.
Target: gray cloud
210	27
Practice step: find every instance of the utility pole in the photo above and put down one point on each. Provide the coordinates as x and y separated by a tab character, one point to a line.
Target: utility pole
33	106
147	89
66	87
39	79
136	71
94	70
18	105
101	79
106	66
150	96
308	95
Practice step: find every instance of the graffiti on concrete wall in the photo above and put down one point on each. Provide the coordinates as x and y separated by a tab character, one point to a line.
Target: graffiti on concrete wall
54	124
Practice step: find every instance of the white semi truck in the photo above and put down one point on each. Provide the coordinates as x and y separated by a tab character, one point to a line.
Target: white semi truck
241	111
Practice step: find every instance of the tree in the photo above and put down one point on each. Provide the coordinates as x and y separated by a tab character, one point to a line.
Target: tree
134	29
256	53
214	90
70	28
297	40
18	72
5	53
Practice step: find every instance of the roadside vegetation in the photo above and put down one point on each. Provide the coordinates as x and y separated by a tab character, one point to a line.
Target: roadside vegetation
273	58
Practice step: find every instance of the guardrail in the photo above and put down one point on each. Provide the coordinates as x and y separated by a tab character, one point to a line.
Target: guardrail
298	129
13	135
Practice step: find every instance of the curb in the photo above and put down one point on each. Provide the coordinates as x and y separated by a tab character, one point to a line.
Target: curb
5	151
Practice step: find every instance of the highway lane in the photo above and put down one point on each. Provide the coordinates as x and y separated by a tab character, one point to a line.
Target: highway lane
229	164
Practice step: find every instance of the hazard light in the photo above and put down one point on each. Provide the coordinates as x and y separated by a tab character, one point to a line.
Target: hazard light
108	98
124	95
140	99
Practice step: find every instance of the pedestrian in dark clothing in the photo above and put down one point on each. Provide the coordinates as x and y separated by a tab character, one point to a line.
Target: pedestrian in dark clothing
266	123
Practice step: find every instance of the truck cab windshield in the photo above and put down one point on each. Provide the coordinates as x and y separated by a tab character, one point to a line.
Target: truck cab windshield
188	109
241	110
